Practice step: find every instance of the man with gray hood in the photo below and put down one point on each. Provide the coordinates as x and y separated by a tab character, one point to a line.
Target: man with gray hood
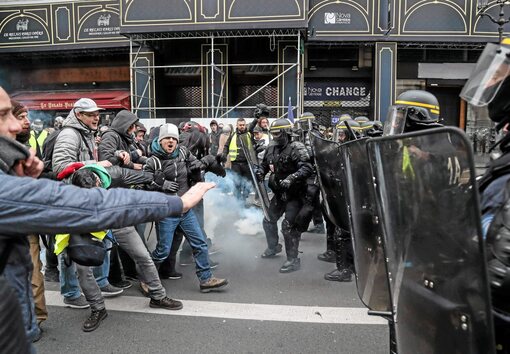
117	143
76	142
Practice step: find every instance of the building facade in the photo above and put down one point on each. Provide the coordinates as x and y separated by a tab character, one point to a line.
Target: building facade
184	59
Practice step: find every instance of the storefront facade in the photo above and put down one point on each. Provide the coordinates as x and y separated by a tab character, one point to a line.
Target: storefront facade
217	59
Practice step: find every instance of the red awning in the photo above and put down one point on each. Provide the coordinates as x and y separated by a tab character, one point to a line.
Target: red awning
64	100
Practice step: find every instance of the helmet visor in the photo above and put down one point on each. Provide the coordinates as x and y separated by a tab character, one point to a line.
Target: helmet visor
492	69
395	121
276	134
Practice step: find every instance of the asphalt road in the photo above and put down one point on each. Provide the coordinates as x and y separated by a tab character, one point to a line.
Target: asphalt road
262	311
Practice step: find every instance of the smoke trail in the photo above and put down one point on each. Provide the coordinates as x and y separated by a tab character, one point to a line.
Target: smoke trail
222	209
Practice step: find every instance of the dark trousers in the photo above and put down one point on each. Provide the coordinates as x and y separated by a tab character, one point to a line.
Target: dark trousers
291	207
243	179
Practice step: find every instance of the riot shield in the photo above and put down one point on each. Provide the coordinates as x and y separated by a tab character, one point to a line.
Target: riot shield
251	158
328	165
366	232
427	197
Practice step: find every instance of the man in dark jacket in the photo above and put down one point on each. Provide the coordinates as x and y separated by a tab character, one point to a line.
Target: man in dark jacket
117	142
214	137
173	166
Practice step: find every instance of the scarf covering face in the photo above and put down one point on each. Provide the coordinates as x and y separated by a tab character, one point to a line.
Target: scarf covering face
11	152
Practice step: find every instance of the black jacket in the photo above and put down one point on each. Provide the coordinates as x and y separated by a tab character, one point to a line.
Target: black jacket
292	158
116	139
215	141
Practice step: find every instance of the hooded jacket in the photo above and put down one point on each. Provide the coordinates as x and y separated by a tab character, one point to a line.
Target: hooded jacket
116	139
215	141
74	145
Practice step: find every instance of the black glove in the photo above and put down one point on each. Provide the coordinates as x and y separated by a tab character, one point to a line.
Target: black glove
221	158
208	160
159	178
170	187
195	166
259	174
288	181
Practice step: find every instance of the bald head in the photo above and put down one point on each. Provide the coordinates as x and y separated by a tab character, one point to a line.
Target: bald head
9	125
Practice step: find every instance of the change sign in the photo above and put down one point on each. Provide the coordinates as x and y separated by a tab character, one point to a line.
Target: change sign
336	90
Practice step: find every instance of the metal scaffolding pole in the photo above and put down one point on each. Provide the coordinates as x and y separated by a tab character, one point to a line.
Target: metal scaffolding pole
219	110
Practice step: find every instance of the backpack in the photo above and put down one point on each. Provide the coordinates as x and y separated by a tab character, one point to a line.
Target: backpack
49	146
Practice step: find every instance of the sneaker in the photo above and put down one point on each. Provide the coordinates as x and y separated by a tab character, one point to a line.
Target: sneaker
111	291
213	284
344	275
317	229
328	256
170	275
51	275
291	265
123	284
269	252
78	303
144	289
94	320
166	303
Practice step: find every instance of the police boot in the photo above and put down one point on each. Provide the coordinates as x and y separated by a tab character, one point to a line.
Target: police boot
291	265
344	260
331	240
344	275
328	256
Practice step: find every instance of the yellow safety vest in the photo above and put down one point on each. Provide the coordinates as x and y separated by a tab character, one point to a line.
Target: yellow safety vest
37	143
233	149
62	240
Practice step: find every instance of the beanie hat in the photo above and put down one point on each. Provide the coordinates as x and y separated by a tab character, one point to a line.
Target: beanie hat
18	108
168	130
100	171
213	122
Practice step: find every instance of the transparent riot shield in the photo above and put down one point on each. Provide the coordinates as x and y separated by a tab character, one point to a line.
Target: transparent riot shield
366	232
329	170
251	158
427	197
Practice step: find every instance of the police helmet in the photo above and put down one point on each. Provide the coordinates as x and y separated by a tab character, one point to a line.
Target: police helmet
281	130
261	110
361	119
413	110
489	84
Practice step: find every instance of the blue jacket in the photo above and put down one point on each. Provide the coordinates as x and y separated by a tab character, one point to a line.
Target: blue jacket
30	206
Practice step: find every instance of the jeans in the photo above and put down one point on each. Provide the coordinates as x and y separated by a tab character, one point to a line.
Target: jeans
69	286
193	232
19	276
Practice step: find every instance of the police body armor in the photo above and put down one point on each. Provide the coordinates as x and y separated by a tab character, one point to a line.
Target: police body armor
282	164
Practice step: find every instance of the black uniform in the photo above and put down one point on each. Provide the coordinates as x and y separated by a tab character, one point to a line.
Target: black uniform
290	161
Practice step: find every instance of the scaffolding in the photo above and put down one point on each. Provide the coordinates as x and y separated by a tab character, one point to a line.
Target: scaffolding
143	101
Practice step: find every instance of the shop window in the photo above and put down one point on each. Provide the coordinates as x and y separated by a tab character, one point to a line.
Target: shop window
333	57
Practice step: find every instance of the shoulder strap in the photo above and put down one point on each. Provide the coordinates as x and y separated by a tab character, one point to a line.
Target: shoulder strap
157	163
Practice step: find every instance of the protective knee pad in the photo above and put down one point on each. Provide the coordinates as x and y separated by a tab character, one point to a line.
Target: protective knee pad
286	227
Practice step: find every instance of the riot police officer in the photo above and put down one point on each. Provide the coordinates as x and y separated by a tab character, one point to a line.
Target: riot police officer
489	85
413	110
290	166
